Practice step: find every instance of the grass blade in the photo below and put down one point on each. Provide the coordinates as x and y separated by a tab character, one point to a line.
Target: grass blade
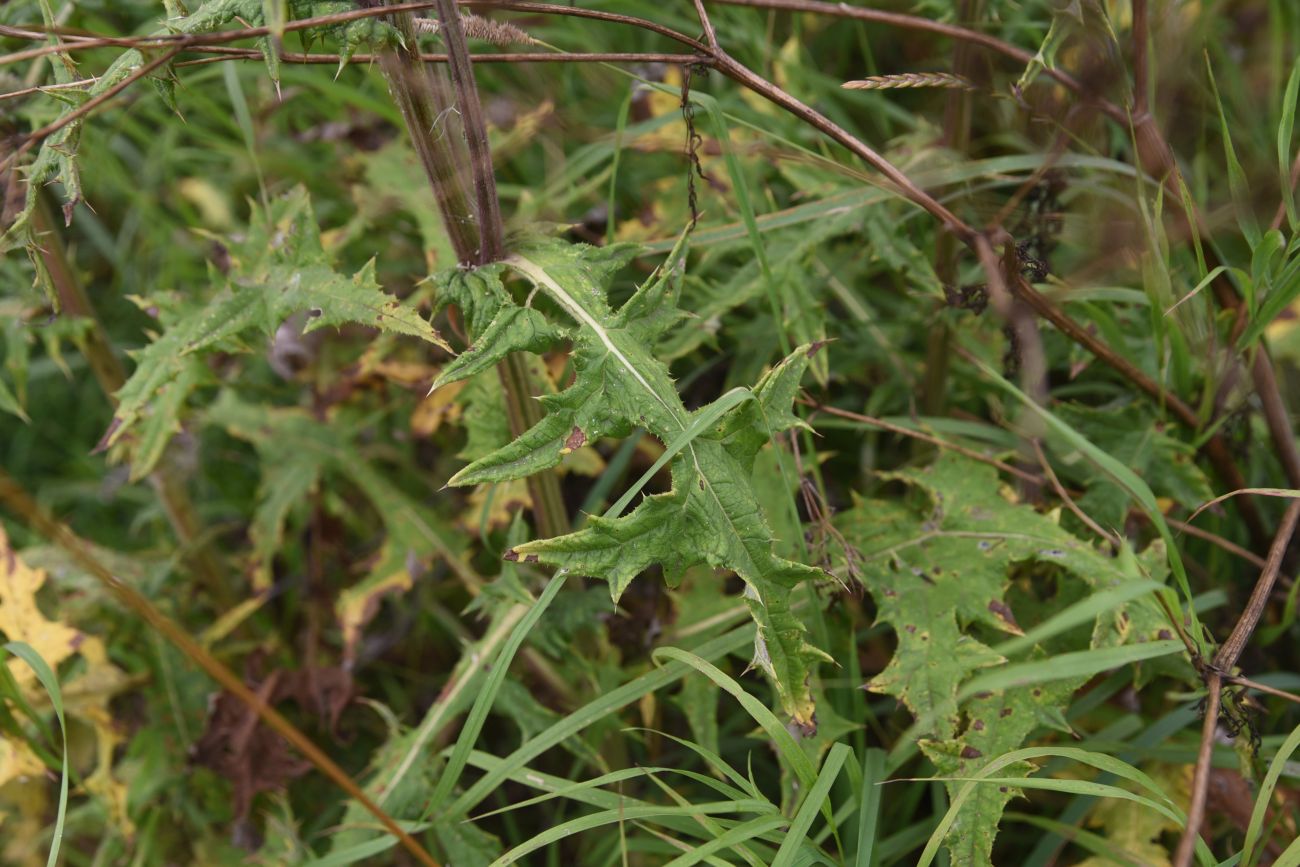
811	804
786	745
50	682
1285	130
873	776
1253	844
487	695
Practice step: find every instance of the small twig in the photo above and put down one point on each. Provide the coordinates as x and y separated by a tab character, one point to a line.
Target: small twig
221	37
924	437
1230	651
47	88
1067	500
710	35
224	54
21	503
1215	539
1224	660
84	109
1201	781
1261	687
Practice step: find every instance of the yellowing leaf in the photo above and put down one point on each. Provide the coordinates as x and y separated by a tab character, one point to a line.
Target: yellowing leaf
357	605
86	696
440	406
1135	829
22	620
501	500
213	205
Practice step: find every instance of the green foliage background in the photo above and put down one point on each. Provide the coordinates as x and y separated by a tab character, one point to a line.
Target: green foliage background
836	590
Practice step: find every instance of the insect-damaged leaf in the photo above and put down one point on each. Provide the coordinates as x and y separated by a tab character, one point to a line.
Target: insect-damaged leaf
939	568
278	268
712	515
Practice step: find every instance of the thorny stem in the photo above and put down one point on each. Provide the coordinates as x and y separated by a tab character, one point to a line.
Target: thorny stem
1065	498
523	411
491	232
425	95
223	53
22	504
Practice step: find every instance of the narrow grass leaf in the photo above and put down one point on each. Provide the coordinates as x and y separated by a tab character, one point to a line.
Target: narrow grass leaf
1099	761
50	682
707	418
487	695
812	803
1254	843
1083	663
362	851
587	714
1285	130
731	839
785	743
1083	611
1236	175
627	814
873	776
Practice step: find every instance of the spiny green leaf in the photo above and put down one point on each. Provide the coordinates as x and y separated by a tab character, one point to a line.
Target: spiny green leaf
56	160
279	268
711	516
939	570
998	723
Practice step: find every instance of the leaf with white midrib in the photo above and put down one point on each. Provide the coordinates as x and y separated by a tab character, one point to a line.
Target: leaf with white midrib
712	514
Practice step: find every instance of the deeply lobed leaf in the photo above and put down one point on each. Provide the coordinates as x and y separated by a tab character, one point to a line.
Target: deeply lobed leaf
279	268
712	514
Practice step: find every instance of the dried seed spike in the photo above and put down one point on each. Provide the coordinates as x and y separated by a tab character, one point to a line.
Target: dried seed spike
911	79
499	33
